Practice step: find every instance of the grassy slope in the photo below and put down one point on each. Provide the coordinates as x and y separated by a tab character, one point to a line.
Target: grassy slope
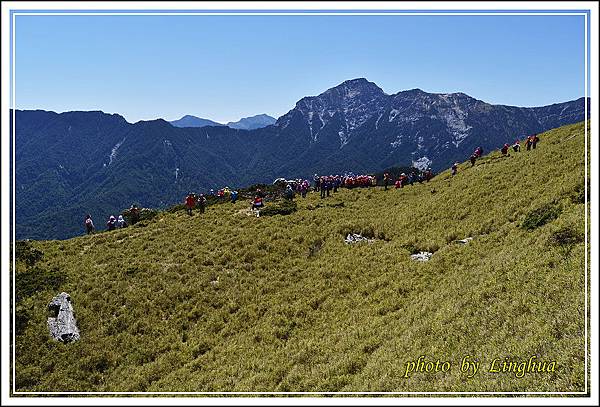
295	309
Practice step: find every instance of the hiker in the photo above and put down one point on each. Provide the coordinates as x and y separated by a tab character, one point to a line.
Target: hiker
289	192
473	158
428	174
322	186
454	168
412	177
234	196
402	180
202	202
528	143
121	222
478	152
134	214
258	202
112	223
386	179
89	224
504	149
317	181
304	188
336	183
398	183
516	147
190	202
534	140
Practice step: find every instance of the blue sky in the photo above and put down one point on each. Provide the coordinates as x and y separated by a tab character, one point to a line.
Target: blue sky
227	67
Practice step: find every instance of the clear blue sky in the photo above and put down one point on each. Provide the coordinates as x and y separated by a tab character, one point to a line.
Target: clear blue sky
227	67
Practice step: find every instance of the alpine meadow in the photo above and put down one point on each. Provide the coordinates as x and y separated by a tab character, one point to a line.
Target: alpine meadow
227	302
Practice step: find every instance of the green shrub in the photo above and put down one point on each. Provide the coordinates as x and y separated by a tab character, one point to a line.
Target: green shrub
36	279
578	194
26	253
285	207
145	214
540	216
566	236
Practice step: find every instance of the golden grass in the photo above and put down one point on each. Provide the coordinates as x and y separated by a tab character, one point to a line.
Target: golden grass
228	302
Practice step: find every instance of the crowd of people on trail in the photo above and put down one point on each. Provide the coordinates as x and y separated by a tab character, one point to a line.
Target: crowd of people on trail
324	184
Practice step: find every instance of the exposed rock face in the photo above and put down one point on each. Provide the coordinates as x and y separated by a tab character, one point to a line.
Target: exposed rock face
62	325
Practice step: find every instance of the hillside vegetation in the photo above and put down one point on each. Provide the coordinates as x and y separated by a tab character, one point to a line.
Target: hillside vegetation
229	302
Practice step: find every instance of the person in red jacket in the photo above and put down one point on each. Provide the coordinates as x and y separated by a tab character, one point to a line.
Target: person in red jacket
190	202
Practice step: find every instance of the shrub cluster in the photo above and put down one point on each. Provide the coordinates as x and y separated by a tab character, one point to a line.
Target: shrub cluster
542	215
284	207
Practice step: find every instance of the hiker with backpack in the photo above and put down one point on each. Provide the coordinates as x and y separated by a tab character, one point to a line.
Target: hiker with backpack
534	140
190	203
473	158
112	223
134	214
304	188
201	202
403	179
428	175
528	143
516	146
454	168
336	183
89	224
121	222
289	193
257	203
386	179
504	149
234	196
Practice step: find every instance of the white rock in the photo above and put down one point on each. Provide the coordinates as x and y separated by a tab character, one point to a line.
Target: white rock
62	326
421	256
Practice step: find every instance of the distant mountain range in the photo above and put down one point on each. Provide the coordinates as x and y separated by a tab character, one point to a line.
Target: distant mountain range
245	123
253	122
74	163
193	121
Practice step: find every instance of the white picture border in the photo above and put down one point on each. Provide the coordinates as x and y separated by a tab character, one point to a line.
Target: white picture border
296	8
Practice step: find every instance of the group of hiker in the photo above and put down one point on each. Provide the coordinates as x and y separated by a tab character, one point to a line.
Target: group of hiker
325	185
114	223
404	179
530	143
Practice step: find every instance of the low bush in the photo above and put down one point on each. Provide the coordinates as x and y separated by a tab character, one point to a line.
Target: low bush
285	207
566	236
540	216
37	279
27	253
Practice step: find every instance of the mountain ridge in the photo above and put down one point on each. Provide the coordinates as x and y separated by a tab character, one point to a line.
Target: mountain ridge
76	162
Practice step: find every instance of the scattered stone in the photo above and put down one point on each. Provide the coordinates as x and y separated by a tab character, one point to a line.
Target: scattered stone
356	238
62	323
464	241
421	256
